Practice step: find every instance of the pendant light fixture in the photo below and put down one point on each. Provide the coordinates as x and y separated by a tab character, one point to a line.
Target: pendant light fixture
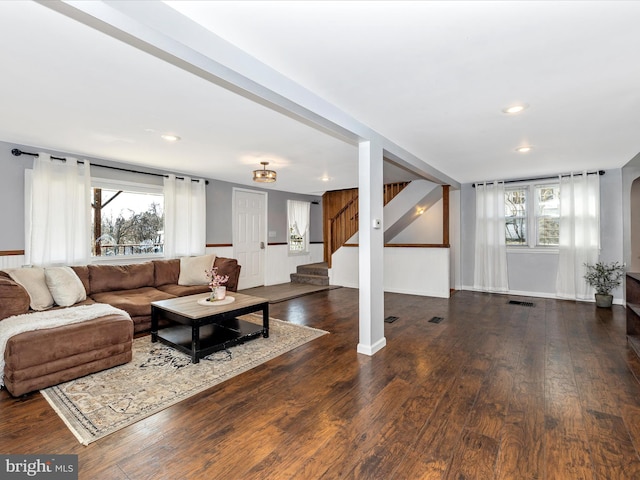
264	175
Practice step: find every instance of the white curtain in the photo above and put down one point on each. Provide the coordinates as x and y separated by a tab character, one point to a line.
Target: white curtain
579	233
490	273
185	217
58	223
299	213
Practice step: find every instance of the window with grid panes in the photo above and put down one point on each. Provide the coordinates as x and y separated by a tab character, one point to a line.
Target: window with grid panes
532	215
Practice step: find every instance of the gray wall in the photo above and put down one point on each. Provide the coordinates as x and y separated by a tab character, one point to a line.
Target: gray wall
535	273
220	207
219	199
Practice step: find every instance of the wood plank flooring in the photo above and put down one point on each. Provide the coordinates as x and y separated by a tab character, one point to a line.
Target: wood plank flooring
495	391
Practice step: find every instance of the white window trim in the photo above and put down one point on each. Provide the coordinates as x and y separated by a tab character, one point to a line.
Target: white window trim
117	184
551	249
531	219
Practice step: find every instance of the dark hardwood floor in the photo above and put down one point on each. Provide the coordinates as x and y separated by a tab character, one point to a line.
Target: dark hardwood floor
493	391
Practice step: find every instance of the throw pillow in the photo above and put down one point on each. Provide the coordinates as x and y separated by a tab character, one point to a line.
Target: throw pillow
192	270
65	286
34	282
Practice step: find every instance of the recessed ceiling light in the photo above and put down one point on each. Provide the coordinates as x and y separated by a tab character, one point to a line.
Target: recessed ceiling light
169	137
517	108
325	178
524	149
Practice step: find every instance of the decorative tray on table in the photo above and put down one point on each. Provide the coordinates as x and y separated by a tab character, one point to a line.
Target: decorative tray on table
216	303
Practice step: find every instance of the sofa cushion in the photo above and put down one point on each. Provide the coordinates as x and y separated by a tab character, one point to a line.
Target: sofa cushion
65	286
136	302
14	299
192	269
229	266
182	290
107	278
34	282
41	358
83	274
166	271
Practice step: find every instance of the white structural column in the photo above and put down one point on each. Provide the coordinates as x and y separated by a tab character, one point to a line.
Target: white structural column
371	251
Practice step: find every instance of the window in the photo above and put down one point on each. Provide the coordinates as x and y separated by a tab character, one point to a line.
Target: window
547	215
532	215
298	214
516	216
127	219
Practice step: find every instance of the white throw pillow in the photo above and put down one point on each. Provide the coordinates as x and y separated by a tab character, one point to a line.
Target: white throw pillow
33	281
65	286
192	269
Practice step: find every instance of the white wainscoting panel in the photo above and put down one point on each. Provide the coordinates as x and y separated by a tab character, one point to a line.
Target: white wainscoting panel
15	261
280	264
11	261
414	271
226	252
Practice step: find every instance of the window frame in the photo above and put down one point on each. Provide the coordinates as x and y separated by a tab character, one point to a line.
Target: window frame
538	210
531	211
526	216
131	187
305	240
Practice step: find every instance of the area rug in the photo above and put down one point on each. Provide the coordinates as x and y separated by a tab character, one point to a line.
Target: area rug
160	376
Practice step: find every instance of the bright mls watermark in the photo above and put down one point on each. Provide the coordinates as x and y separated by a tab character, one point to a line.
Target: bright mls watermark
50	467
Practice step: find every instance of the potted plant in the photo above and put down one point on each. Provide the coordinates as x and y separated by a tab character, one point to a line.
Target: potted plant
604	277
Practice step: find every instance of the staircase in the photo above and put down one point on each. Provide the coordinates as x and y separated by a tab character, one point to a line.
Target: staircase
340	209
311	274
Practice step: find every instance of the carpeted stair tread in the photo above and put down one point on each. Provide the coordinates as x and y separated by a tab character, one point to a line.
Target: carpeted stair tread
320	269
310	279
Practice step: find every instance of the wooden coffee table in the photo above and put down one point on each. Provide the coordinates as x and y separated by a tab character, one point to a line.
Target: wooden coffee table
199	330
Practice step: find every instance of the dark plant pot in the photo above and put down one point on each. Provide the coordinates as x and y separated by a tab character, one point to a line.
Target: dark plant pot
604	301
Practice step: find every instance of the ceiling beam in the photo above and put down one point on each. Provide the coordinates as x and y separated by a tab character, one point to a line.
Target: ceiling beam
159	30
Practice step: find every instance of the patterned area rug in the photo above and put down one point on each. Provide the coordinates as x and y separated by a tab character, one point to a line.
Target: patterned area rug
158	377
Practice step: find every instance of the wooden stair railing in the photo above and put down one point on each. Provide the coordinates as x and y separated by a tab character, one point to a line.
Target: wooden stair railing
344	223
391	190
342	226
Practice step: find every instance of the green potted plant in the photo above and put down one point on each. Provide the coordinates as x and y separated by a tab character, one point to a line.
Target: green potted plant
604	277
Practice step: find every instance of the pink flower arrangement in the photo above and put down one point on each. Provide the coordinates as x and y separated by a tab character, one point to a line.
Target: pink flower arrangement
215	280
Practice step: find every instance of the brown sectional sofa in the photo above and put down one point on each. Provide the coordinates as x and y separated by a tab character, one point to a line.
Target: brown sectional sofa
41	358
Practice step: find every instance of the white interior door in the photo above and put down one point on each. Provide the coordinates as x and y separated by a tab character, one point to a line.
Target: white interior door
249	236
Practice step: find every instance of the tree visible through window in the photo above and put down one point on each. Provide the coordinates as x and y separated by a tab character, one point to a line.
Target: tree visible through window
127	222
516	216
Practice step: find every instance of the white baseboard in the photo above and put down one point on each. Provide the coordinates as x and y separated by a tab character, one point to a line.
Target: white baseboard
616	301
422	293
372	349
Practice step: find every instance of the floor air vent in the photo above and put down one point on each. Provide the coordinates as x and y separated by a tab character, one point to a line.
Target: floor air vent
390	319
522	304
436	320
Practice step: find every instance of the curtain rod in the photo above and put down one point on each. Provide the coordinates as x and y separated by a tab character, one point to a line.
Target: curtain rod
17	152
599	172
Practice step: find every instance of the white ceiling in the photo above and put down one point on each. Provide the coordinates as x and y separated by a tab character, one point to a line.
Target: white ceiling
430	76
